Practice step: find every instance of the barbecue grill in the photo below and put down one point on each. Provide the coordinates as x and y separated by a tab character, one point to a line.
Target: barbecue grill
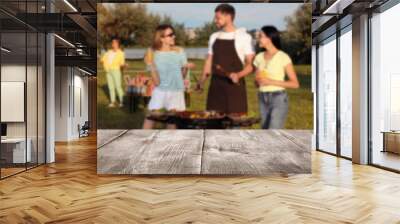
203	119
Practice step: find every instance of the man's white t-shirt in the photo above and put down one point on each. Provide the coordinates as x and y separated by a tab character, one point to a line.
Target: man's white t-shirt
243	44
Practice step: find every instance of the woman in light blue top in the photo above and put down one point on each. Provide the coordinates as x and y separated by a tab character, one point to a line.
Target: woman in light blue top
169	66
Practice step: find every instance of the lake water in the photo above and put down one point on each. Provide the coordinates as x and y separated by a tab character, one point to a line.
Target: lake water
193	53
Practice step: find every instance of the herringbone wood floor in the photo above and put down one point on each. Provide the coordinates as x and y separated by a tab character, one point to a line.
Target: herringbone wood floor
70	191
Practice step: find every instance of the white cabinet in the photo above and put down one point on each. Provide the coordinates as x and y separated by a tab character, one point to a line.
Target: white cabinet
17	148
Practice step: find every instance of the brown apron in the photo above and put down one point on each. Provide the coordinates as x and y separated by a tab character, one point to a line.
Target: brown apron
224	95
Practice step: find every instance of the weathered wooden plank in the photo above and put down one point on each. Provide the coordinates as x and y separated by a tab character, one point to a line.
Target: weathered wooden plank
300	137
153	152
253	152
241	152
118	156
106	135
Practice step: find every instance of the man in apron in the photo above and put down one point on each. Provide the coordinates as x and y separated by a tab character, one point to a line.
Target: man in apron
229	60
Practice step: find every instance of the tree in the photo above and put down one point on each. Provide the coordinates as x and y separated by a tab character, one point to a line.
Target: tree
103	15
297	39
125	21
133	24
203	33
181	37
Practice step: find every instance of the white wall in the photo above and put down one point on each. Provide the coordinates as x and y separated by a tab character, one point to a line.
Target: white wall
71	93
80	110
61	103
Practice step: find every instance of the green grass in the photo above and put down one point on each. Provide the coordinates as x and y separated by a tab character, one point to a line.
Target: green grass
300	100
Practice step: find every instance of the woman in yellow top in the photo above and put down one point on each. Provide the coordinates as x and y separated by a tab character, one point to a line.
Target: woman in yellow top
272	67
113	61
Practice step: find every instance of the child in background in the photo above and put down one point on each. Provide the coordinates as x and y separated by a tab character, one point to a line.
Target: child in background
113	61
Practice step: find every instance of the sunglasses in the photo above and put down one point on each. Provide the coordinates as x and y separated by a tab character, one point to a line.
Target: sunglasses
169	35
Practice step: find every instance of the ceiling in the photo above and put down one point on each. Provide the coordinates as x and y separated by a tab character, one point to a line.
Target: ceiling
337	13
74	22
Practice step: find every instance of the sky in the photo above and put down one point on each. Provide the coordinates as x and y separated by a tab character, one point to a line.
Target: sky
248	15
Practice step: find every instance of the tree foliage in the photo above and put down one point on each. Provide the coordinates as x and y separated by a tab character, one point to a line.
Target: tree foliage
133	24
203	33
297	38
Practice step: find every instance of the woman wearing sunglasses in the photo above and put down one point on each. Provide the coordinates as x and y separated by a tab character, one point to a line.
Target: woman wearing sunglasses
168	64
272	67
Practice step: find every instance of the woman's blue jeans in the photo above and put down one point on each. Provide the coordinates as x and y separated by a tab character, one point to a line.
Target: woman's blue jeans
273	109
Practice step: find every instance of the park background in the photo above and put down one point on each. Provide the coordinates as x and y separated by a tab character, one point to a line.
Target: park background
134	24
